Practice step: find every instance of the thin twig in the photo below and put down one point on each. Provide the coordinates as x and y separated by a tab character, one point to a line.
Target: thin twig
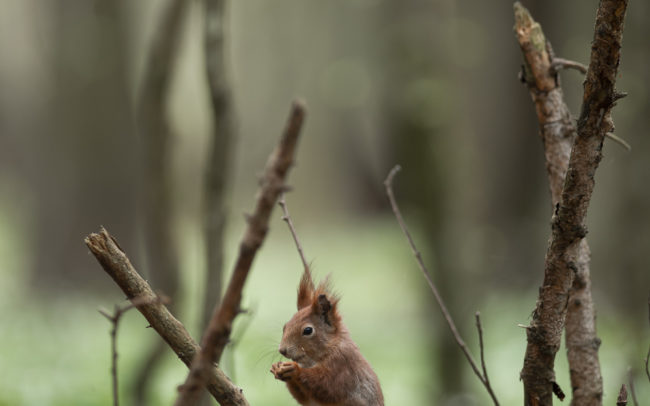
115	321
388	183
561	63
119	268
620	141
287	218
479	327
217	333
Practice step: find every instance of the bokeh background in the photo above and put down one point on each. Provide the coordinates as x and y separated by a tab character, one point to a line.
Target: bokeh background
431	85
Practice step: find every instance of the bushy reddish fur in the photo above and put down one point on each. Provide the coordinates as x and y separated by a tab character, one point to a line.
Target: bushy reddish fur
327	367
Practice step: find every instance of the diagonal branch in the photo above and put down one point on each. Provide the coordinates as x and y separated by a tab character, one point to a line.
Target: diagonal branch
217	333
558	134
568	224
443	308
119	268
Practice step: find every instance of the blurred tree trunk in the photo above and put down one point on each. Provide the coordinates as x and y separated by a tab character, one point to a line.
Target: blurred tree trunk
156	187
218	165
217	172
81	158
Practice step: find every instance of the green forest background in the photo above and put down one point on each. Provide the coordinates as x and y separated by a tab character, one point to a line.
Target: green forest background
431	85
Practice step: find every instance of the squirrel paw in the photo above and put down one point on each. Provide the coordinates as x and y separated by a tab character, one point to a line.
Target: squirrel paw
284	370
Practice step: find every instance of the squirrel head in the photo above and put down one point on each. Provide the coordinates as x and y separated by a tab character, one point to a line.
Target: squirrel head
312	332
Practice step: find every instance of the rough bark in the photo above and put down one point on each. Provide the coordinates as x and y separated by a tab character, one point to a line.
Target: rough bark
119	268
568	223
272	185
155	183
558	134
218	168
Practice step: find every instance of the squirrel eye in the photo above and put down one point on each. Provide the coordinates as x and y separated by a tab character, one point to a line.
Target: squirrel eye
307	331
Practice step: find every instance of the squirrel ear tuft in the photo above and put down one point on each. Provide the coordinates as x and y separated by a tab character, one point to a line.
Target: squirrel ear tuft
323	308
305	290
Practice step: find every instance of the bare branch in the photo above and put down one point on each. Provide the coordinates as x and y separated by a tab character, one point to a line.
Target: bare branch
287	218
115	321
568	226
620	141
479	327
558	134
388	183
119	268
218	331
561	63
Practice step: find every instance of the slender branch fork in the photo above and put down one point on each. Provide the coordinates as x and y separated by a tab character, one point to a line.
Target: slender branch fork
482	376
115	318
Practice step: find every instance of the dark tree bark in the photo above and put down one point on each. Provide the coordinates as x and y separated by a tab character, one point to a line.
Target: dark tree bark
568	224
558	134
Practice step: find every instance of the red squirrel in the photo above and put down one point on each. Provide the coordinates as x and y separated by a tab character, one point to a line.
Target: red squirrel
326	368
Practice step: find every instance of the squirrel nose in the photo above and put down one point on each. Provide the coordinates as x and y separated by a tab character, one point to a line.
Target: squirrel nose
283	351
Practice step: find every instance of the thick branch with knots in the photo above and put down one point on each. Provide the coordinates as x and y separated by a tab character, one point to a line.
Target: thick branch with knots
568	224
558	134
